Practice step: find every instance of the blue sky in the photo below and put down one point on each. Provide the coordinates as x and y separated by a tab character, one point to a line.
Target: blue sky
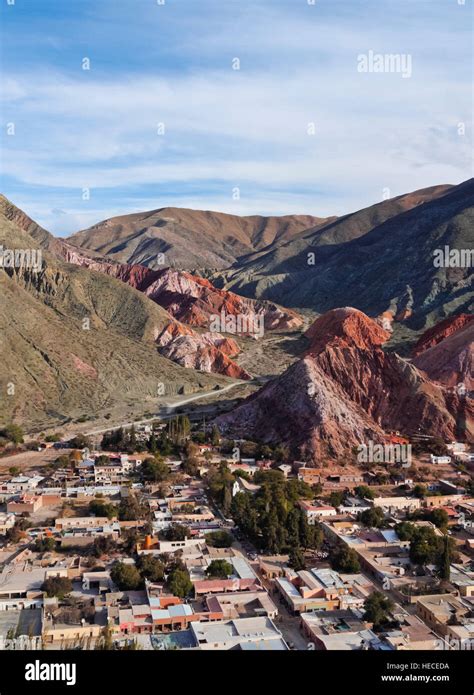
224	129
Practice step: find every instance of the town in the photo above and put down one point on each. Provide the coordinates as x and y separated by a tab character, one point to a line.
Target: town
165	536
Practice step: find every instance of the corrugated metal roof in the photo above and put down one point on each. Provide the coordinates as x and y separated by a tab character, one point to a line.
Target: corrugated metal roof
243	568
390	536
159	614
181	609
288	587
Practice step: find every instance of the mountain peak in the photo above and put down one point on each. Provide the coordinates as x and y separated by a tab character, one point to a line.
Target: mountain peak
345	327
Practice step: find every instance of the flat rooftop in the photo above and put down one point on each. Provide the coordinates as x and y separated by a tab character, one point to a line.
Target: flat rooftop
21	622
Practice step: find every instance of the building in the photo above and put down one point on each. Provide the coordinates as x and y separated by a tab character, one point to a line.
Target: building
314	512
442	611
353	506
463	580
412	634
81	522
312	590
242	604
60	635
21	582
341	630
247	634
218	586
397	504
242	485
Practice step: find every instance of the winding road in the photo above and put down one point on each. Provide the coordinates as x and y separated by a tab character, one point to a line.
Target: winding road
166	409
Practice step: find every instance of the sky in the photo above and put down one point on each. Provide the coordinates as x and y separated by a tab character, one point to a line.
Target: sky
241	106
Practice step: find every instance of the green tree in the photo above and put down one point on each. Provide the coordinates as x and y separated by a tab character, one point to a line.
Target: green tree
57	586
281	453
424	546
420	491
311	535
377	609
103	545
126	576
132	439
131	510
345	560
155	469
55	437
102	509
444	563
43	545
175	532
190	466
179	583
80	441
227	499
372	518
405	530
215	436
336	498
365	492
16	533
151	568
219	539
219	569
439	517
296	559
265	452
13	433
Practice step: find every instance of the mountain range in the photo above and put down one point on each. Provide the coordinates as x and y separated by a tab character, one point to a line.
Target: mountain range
380	259
187	238
104	322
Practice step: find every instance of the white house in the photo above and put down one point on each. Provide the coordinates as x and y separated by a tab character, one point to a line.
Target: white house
316	512
440	459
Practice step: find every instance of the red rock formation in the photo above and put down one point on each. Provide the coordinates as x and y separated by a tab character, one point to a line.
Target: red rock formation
189	298
446	352
344	392
193	300
345	327
441	331
207	352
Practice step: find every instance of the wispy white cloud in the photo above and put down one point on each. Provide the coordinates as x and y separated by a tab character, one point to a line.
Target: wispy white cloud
248	128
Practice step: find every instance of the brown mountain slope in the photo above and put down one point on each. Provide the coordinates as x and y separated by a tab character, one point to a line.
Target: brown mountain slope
380	259
446	352
77	343
55	246
204	352
344	392
188	238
